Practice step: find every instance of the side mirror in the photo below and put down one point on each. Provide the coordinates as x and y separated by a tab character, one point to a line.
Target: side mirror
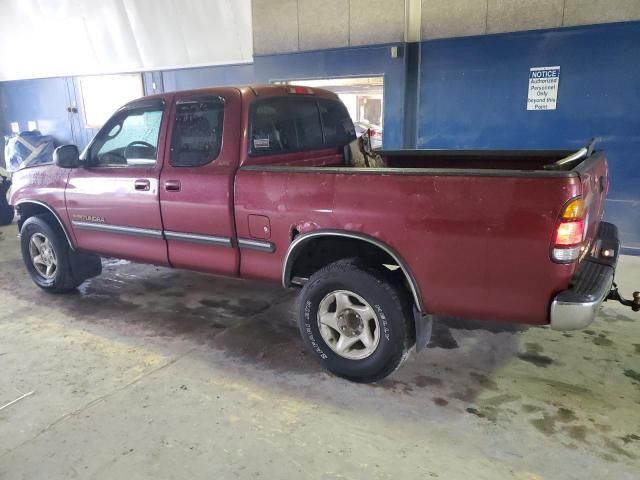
66	156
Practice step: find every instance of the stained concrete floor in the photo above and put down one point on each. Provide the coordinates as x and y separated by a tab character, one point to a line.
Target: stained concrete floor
152	373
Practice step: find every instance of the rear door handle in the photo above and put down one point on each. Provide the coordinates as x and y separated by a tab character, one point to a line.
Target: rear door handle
142	184
172	185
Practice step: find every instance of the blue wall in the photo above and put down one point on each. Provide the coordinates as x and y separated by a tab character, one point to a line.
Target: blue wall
454	93
473	94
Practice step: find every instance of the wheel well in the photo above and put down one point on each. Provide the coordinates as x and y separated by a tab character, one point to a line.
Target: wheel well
316	253
320	252
27	210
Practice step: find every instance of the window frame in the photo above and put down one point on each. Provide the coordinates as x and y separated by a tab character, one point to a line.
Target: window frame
192	99
87	156
290	99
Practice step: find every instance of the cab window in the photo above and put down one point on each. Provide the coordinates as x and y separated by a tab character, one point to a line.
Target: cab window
197	131
273	128
294	123
336	123
307	117
129	139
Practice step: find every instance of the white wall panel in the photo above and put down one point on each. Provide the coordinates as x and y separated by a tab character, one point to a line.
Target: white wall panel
80	37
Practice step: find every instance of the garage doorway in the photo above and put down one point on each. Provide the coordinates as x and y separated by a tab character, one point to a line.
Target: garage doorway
363	97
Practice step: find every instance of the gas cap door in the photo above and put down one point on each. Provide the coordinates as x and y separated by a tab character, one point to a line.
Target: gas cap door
259	227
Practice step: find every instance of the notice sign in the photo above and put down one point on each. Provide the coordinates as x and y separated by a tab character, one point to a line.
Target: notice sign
543	88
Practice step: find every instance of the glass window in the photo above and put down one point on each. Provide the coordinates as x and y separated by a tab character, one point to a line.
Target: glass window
287	124
197	132
307	122
336	123
129	139
362	96
273	127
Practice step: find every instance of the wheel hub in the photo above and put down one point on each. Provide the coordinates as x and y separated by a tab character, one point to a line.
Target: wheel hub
43	257
350	323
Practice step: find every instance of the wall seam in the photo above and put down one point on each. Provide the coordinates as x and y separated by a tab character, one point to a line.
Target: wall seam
564	6
298	22
349	23
486	19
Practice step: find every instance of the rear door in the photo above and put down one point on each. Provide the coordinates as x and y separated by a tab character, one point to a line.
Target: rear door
113	199
196	184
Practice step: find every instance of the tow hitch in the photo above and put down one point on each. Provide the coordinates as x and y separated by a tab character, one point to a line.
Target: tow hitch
614	294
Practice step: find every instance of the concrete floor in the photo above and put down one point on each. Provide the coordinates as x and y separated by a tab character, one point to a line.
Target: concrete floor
153	373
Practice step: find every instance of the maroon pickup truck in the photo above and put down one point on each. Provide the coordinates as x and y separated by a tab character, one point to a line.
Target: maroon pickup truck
260	183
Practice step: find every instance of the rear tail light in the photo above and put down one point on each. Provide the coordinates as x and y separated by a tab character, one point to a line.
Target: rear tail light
570	232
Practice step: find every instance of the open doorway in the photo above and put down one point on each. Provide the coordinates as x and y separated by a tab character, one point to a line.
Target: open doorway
363	97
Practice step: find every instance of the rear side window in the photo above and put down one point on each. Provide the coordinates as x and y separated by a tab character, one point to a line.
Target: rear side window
273	128
307	123
336	123
197	131
289	124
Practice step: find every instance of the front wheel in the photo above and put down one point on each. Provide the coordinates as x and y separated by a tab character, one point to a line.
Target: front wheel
48	259
355	321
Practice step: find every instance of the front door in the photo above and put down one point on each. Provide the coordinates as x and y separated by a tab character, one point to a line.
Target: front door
113	200
196	184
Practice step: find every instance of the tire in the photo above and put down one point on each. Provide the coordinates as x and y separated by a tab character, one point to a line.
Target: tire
54	249
364	361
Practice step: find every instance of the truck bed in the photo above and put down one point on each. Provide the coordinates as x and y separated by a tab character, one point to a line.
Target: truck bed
526	160
475	227
441	162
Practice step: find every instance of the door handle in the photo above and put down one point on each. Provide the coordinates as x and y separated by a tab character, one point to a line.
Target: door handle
172	185
142	184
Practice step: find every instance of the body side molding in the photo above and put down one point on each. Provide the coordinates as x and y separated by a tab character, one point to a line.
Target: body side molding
100	227
260	245
198	238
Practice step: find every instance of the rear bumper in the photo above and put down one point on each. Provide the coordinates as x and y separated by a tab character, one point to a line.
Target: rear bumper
577	307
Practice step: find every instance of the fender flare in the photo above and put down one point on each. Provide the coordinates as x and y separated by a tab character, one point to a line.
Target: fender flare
54	213
302	239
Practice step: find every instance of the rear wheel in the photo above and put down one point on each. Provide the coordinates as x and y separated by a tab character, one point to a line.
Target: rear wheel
355	321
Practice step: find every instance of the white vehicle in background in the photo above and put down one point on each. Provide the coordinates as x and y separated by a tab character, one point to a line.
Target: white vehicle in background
375	132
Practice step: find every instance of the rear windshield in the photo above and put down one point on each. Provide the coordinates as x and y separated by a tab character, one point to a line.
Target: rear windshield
294	123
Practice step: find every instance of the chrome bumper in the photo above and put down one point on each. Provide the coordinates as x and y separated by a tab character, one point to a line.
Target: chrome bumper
577	307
